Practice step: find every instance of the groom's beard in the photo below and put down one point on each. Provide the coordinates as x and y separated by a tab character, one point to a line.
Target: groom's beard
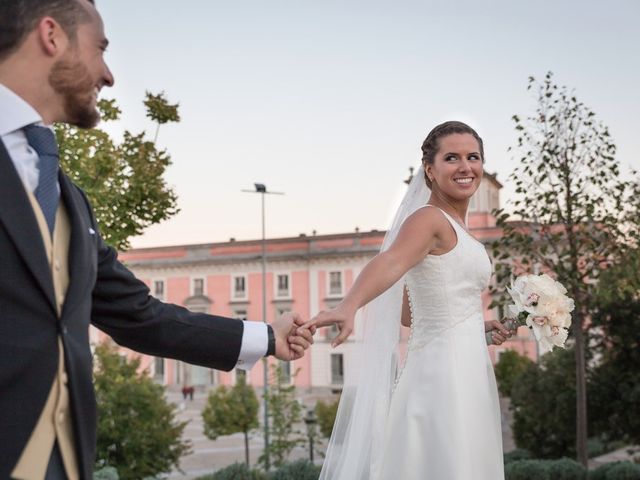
71	78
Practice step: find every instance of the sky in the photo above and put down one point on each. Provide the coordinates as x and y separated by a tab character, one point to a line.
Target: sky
329	101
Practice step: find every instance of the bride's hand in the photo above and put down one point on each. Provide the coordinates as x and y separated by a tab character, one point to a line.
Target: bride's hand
497	331
336	316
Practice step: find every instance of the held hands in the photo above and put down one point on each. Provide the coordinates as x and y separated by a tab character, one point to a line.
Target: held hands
293	337
340	316
497	333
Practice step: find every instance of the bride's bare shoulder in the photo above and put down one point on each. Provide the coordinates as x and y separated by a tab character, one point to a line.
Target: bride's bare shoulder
428	217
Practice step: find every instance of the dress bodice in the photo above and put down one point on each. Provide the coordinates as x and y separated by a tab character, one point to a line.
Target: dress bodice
446	289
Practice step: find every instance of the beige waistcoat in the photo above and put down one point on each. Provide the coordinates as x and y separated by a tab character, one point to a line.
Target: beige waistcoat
55	420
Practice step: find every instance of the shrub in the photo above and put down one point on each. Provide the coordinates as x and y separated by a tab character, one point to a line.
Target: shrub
566	469
561	469
230	411
106	473
285	412
527	470
623	471
326	414
237	471
300	470
544	403
510	366
517	454
138	430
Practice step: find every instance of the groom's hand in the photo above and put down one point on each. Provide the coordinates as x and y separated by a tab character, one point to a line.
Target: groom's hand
292	339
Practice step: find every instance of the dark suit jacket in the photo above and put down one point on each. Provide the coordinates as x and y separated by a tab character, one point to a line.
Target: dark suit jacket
101	291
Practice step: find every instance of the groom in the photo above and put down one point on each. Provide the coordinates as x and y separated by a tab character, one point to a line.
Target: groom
56	273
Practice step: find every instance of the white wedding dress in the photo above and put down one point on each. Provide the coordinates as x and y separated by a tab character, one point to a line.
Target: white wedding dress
444	415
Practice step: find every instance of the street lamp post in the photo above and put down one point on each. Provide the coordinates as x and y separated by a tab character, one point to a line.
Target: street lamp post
311	421
262	190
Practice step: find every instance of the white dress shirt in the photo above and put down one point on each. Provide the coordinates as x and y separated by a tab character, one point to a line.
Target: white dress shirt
15	114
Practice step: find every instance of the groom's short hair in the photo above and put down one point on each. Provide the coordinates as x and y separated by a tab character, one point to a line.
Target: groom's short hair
19	17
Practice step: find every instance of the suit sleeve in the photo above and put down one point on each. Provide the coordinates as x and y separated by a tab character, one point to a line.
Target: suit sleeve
124	309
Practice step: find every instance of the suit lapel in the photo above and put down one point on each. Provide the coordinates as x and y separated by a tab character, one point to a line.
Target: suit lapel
20	222
80	244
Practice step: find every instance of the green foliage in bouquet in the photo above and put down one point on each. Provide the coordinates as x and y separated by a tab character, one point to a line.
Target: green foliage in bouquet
123	180
138	433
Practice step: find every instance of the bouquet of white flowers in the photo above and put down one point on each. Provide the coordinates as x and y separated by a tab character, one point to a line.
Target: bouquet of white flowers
542	304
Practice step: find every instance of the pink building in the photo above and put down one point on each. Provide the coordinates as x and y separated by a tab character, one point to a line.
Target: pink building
305	274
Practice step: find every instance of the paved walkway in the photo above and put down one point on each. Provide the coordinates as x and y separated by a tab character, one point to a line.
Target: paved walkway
209	456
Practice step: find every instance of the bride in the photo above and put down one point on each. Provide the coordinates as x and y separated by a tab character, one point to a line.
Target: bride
437	416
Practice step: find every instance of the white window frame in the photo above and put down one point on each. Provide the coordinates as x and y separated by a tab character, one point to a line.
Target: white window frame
236	314
331	382
291	367
163	362
234	297
331	294
276	289
474	202
164	286
193	286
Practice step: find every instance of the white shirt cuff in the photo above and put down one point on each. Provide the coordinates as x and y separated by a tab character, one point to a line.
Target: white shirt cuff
255	341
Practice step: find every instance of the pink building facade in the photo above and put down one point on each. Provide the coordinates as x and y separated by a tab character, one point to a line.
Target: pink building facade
305	274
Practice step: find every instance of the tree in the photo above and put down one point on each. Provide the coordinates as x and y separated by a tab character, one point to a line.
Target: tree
326	414
574	214
138	433
124	181
284	412
543	401
615	378
230	411
508	369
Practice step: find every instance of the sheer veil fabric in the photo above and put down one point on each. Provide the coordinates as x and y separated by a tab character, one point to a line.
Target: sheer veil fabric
354	447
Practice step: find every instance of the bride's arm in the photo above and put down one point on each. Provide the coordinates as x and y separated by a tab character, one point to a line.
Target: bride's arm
419	235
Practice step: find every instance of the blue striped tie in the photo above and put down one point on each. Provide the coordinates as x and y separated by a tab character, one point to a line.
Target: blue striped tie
43	141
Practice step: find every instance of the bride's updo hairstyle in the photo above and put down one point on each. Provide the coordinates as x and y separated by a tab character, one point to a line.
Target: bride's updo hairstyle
431	144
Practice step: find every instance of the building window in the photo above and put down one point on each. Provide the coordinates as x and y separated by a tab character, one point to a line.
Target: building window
158	289
335	283
337	369
240	314
283	286
285	368
473	203
158	367
198	287
240	375
332	332
239	287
